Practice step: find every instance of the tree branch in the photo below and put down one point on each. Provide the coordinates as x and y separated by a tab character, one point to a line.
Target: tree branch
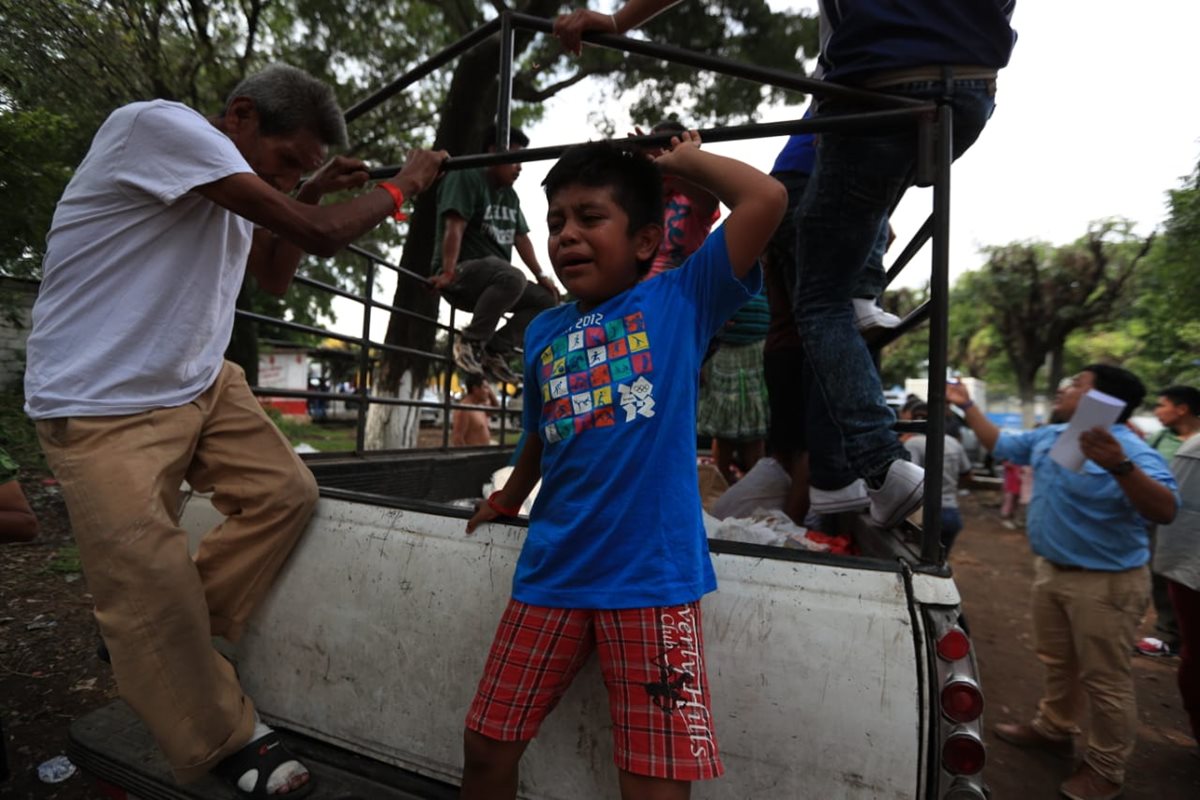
252	20
525	91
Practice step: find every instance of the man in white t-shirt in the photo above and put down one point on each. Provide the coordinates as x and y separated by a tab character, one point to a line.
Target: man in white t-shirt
127	382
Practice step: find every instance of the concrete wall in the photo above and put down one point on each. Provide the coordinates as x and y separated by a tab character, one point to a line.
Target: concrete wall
16	300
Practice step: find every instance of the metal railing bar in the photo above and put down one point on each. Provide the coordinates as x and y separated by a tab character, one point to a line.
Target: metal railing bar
442	57
913	320
304	280
504	96
677	55
316	284
380	260
910	426
364	360
341	337
272	391
910	250
874	120
447	381
360	399
939	312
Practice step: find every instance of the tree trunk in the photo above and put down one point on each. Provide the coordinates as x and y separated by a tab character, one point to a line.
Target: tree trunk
1026	388
470	107
1055	369
394	423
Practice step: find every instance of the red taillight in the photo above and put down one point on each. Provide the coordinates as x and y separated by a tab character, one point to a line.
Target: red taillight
953	645
962	755
962	701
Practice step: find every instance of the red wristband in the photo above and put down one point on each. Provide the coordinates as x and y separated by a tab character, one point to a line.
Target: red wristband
494	505
397	198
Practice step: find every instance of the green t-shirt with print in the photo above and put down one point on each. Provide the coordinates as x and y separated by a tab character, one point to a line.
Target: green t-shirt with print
493	216
8	468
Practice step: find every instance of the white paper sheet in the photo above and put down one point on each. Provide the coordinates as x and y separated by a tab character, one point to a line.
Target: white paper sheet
1095	409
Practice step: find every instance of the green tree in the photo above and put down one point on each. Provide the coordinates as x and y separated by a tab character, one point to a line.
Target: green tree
1036	295
1164	325
908	356
73	61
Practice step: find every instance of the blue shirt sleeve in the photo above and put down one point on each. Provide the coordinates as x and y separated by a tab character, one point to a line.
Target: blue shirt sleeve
1016	447
707	277
1151	462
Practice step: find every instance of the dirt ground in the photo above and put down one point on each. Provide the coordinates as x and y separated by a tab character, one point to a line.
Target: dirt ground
993	569
49	673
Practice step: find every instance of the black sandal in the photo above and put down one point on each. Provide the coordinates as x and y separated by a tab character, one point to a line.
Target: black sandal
266	755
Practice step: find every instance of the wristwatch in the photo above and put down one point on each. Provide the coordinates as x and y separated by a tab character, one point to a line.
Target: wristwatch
1124	468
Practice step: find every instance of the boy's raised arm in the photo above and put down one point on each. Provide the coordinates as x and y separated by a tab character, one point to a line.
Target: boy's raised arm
756	200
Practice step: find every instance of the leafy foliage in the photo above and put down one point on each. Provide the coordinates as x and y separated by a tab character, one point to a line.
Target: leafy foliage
1164	328
65	64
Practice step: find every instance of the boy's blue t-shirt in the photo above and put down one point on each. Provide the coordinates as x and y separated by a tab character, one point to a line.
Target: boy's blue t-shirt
612	394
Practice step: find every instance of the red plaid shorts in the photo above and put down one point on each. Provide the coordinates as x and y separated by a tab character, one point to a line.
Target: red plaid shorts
652	660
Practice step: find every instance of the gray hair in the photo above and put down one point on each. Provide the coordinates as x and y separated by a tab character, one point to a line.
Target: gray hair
289	99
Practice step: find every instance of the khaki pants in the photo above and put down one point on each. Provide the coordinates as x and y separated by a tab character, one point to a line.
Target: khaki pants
156	607
1085	624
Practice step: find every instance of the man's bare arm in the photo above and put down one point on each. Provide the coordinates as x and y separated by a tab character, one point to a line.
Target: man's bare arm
976	420
320	230
1151	499
569	28
525	250
17	520
525	476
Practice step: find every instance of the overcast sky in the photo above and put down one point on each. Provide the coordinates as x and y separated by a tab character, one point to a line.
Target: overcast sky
1096	116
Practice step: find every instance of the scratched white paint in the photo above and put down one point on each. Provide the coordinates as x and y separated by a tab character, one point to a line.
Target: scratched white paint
376	633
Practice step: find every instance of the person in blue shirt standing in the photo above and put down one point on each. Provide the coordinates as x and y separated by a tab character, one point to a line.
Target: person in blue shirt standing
616	559
1088	532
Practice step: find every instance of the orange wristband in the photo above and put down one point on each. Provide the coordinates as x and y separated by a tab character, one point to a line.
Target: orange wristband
397	198
494	504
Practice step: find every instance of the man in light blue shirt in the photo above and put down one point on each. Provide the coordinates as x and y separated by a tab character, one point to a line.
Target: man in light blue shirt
1091	585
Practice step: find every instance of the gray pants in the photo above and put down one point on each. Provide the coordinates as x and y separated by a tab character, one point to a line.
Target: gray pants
1166	627
489	288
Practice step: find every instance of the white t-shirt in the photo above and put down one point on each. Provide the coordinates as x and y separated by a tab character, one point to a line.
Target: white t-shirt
141	273
955	464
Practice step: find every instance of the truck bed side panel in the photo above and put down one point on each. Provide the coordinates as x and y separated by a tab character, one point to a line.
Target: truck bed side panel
375	636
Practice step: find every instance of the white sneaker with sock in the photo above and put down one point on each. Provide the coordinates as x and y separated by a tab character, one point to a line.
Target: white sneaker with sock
851	497
902	493
870	317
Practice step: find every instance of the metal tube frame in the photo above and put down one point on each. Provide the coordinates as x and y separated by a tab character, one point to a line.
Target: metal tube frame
935	126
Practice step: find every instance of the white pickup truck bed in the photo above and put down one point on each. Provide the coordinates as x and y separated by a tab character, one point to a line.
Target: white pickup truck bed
374	638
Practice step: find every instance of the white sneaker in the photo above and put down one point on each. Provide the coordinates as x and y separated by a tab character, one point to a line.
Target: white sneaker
902	493
869	317
851	497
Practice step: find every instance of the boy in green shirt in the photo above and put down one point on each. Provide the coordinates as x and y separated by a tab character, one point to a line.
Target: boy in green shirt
479	222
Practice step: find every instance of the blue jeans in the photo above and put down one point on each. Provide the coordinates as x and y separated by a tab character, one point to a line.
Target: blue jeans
814	432
857	180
